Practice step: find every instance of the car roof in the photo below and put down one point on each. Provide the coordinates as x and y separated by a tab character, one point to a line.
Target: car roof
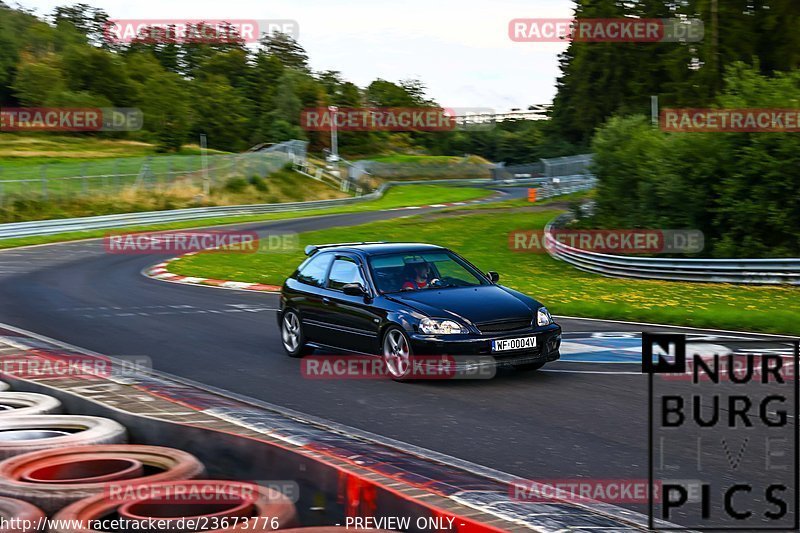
382	247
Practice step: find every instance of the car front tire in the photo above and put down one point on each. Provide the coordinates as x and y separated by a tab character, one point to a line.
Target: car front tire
396	353
292	338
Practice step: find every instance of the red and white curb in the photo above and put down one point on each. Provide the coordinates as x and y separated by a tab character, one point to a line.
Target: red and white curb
445	204
161	272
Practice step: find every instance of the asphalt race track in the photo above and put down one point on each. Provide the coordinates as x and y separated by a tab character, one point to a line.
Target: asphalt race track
585	416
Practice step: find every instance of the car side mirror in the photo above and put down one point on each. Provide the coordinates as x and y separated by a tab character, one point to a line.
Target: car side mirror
354	289
493	276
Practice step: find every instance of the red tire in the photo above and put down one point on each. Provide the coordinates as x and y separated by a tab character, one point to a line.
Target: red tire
22	434
24	512
53	479
250	507
27	403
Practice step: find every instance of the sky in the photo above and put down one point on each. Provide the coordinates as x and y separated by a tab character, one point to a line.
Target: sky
460	50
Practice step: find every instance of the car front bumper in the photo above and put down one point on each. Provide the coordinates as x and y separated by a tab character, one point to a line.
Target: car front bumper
469	350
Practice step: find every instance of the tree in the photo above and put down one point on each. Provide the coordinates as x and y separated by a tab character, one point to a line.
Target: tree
286	50
382	93
98	71
217	112
165	104
739	189
89	21
37	82
282	122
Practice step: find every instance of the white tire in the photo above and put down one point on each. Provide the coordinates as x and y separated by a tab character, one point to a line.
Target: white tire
27	403
22	434
4	386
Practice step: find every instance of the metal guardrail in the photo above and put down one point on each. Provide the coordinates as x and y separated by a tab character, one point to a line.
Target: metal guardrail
53	227
746	271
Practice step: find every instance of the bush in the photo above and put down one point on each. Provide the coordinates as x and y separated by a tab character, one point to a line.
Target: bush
236	185
738	188
259	183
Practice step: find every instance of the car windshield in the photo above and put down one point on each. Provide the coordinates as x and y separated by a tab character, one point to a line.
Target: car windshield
426	270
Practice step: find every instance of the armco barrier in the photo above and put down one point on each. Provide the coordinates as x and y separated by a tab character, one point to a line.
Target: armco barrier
746	271
67	225
339	472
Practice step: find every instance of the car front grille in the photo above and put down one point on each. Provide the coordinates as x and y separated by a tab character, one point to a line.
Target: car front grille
502	326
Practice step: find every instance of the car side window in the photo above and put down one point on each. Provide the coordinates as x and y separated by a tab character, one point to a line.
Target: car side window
313	272
344	270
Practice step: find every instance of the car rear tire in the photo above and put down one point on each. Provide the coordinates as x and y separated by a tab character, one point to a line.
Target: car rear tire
396	353
292	338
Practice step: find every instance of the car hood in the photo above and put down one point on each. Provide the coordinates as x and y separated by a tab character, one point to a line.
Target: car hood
486	303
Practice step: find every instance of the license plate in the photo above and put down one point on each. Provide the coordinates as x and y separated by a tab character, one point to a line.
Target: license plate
520	343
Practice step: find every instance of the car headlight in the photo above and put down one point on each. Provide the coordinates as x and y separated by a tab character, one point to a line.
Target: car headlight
432	326
543	317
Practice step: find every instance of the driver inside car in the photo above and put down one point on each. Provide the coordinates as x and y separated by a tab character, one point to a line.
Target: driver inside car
420	277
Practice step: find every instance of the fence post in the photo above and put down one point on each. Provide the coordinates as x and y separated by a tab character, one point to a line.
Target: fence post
204	160
115	178
43	172
83	178
169	171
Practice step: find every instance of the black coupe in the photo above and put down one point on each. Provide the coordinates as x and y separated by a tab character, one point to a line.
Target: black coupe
404	300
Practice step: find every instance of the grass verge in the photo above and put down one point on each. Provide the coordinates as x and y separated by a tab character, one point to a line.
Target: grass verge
401	196
483	239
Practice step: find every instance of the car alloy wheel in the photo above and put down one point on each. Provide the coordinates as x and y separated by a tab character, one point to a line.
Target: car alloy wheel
396	353
290	332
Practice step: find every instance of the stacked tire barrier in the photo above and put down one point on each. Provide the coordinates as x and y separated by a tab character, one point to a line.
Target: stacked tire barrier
52	479
81	470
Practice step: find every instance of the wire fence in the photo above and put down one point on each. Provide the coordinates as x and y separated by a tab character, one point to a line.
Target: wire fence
573	165
110	177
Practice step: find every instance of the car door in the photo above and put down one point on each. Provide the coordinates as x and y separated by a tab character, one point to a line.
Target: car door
353	319
307	292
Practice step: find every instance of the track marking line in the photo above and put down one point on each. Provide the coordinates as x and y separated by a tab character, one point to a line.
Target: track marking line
751	333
